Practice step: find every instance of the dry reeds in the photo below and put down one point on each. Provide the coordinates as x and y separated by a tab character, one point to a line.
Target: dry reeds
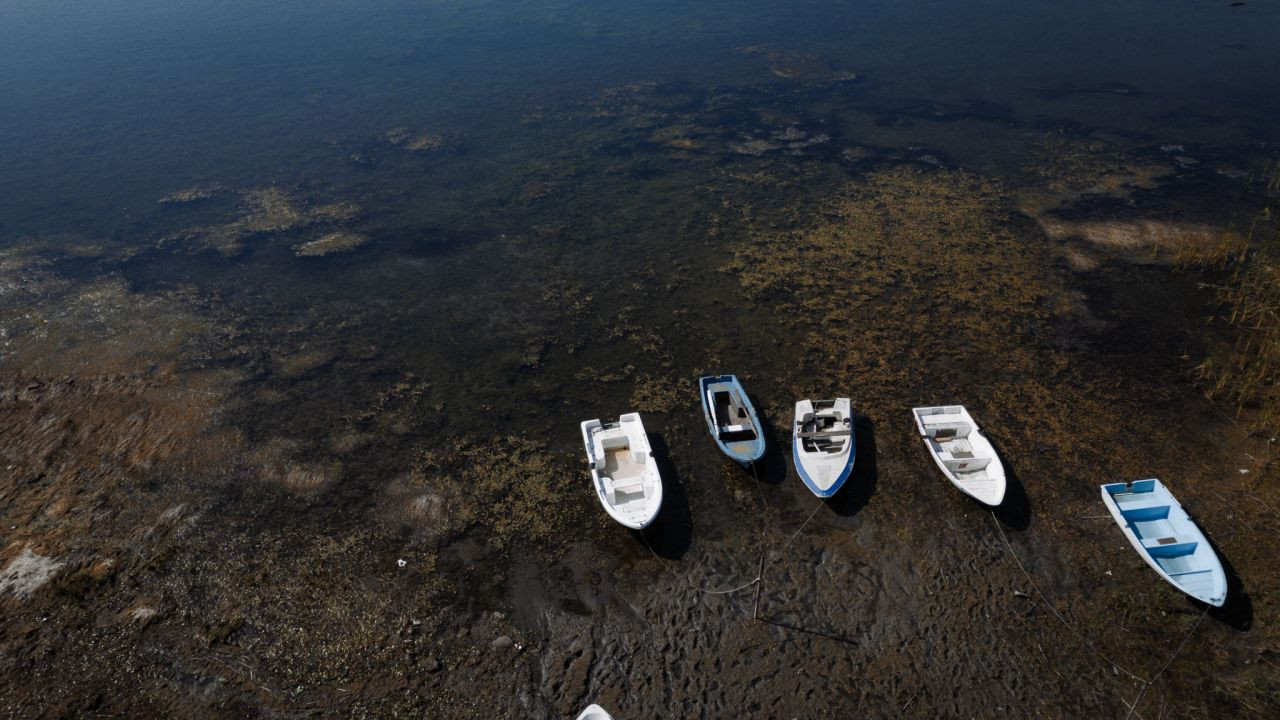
1244	372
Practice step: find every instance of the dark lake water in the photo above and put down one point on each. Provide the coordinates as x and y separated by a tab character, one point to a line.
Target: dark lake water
108	106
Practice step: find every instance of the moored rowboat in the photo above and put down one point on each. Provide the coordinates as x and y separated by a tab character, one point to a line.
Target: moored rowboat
731	418
962	452
1167	538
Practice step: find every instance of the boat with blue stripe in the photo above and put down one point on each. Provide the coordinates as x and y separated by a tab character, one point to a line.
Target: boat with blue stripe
823	444
731	418
1166	538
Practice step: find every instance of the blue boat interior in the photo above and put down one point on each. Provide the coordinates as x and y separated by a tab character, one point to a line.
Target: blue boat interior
1166	534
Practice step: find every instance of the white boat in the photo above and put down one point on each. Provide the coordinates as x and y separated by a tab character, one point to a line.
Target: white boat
1166	538
623	470
594	712
962	452
823	444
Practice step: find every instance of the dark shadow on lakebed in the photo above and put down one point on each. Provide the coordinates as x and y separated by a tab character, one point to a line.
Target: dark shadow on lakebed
861	485
1237	612
771	468
1015	510
672	531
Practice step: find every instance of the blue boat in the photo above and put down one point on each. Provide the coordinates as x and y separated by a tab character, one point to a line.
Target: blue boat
730	418
823	444
1162	533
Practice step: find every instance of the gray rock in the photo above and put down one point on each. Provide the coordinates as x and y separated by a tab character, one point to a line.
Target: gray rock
503	642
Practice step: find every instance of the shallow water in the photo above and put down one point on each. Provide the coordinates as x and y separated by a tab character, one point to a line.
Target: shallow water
396	251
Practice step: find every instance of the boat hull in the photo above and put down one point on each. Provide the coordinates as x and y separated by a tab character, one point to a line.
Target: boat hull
1166	538
821	467
965	456
594	712
623	470
736	445
814	486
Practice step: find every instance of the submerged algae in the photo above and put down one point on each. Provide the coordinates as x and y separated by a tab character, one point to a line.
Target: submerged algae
335	242
263	212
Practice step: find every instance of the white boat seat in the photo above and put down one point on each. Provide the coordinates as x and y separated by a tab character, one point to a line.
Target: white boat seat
610	443
622	486
733	428
966	465
945	431
805	408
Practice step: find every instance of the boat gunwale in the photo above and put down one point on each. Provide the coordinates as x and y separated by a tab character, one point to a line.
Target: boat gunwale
974	429
758	444
594	464
850	452
1117	514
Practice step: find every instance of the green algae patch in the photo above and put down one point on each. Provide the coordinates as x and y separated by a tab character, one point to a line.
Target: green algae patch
335	242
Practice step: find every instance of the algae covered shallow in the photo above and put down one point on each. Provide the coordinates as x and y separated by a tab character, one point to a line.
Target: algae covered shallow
300	310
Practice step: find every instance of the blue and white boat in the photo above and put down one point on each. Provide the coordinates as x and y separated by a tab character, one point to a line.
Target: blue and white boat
823	444
1166	537
731	419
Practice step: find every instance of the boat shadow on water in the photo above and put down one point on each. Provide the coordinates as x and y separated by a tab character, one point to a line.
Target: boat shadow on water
861	485
1015	510
671	533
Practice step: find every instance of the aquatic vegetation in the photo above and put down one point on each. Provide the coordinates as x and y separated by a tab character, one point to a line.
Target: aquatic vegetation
1068	168
590	374
334	242
756	147
264	212
1245	371
415	141
191	195
425	142
800	66
512	488
1182	241
658	394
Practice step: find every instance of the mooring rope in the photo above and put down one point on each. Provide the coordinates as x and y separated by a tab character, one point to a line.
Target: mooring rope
685	581
796	534
1134	707
1054	610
